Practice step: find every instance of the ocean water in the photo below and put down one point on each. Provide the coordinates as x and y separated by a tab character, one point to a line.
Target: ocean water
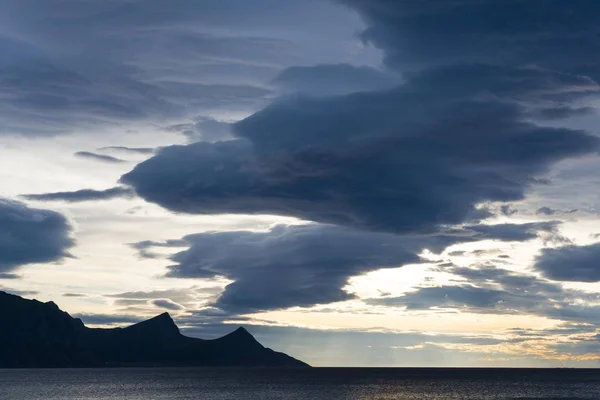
313	384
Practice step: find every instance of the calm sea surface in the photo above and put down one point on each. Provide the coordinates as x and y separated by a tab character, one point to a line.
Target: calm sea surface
315	384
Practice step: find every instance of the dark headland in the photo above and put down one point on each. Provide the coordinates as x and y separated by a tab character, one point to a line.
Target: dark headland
39	335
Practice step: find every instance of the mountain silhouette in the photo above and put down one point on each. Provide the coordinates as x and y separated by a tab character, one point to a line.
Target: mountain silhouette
37	335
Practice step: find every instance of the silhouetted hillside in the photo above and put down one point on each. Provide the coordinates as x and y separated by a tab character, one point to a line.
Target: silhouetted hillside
35	334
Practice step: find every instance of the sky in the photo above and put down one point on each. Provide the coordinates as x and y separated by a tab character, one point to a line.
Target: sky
356	182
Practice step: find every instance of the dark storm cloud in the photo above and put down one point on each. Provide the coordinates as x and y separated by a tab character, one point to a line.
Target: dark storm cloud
458	133
289	265
99	157
83	195
454	135
307	264
336	79
570	263
31	235
504	32
400	161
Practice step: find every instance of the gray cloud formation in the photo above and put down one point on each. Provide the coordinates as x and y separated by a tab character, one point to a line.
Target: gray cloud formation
31	235
402	163
183	297
454	135
304	265
204	129
550	211
491	290
9	276
334	79
570	263
99	157
108	319
145	247
167	304
403	160
124	149
289	265
414	37
74	66
83	195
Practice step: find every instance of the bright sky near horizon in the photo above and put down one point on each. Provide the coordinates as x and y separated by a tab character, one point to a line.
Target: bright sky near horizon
358	182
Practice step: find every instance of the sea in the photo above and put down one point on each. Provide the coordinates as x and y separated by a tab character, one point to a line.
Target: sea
308	384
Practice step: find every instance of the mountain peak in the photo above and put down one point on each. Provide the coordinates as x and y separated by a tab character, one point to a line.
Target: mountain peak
162	326
52	304
242	331
241	337
64	341
164	316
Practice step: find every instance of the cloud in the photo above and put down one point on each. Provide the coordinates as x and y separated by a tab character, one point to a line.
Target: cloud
83	195
414	37
570	263
144	247
546	211
457	133
516	232
550	211
487	289
409	163
85	66
31	236
450	296
22	293
508	210
304	265
334	79
74	295
10	276
167	304
289	265
399	161
108	319
124	149
204	129
99	157
184	297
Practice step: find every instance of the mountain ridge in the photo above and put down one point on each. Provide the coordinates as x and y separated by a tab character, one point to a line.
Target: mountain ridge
36	335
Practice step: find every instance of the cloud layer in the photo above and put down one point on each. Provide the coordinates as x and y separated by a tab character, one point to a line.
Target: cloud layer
570	263
83	195
373	156
77	66
31	236
305	265
404	160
